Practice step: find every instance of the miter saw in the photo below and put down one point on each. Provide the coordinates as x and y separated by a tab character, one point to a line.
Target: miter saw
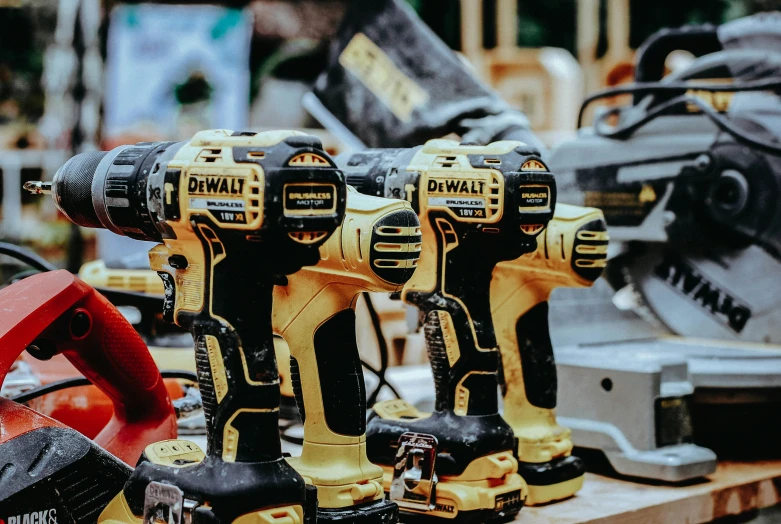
688	176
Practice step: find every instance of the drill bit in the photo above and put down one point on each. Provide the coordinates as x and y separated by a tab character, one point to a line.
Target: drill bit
38	188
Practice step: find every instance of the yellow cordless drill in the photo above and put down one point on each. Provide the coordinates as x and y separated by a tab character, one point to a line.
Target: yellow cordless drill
478	206
571	252
376	249
234	212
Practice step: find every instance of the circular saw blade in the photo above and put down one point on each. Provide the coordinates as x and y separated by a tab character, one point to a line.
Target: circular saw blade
737	297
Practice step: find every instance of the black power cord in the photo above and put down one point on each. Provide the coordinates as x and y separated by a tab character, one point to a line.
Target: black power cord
675	87
26	256
722	122
284	435
383	347
116	296
68	383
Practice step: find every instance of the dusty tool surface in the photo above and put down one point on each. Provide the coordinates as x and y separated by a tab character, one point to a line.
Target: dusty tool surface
735	488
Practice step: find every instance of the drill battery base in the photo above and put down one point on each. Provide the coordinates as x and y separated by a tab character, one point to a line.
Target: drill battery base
361	499
554	480
466	501
165	502
545	461
555	474
433	479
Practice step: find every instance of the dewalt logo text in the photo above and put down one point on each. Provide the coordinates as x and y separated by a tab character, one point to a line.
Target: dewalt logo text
684	279
453	186
215	185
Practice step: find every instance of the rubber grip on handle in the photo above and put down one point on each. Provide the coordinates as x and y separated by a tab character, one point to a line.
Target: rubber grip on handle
437	356
536	352
340	372
237	375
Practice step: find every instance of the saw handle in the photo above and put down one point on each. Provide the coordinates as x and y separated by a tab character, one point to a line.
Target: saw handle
697	39
56	312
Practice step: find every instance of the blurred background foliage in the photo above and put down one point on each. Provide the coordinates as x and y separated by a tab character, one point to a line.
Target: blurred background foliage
24	34
552	22
26	27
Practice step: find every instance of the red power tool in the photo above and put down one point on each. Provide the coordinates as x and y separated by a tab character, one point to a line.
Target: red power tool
47	468
84	408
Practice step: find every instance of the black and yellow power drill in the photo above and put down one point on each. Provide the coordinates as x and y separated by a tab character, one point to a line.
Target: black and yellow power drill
234	213
571	252
478	206
376	249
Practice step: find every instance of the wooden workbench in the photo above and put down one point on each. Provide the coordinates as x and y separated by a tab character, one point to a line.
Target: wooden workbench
735	488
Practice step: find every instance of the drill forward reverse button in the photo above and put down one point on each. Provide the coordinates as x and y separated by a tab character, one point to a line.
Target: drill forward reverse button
178	262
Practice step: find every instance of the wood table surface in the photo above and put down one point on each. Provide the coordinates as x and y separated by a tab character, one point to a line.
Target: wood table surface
733	489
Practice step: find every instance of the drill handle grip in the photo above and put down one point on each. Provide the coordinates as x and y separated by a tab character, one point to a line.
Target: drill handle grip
58	313
465	374
458	277
534	357
224	298
333	363
458	326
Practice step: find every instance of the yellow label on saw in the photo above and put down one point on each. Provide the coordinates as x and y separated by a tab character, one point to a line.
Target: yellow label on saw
364	59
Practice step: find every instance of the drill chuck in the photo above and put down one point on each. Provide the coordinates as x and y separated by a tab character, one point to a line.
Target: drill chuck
100	189
72	188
